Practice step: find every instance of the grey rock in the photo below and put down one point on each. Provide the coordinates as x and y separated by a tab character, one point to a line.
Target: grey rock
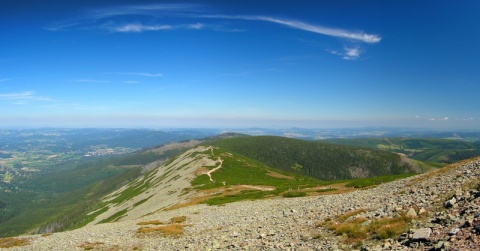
450	203
421	234
454	231
411	213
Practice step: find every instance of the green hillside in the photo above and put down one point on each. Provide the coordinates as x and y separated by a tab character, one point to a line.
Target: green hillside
316	159
245	178
62	198
443	151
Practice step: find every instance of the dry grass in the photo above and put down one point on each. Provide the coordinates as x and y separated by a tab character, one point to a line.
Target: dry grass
352	230
13	242
152	222
385	228
89	245
356	230
351	213
174	230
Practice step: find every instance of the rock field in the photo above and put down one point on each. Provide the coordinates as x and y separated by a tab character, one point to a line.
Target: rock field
444	205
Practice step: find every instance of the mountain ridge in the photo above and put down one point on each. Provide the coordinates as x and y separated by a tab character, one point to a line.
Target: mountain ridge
286	223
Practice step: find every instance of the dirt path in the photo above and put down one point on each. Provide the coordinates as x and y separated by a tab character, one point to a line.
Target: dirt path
209	173
262	188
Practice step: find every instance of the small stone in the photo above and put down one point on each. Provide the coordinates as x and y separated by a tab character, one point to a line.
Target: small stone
454	231
450	203
421	234
411	213
387	245
215	244
422	211
439	245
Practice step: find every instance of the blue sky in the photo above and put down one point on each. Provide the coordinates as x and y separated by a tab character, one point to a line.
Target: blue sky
240	63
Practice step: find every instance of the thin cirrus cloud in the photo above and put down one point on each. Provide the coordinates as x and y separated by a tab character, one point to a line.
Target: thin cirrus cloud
333	32
137	27
194	11
352	53
23	97
348	53
93	18
108	19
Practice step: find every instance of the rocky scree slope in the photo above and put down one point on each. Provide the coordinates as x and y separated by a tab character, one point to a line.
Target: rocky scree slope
443	204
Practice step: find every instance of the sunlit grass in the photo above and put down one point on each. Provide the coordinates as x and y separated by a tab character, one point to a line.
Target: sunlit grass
13	242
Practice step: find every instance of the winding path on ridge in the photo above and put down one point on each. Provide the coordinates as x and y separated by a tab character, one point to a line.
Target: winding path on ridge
209	173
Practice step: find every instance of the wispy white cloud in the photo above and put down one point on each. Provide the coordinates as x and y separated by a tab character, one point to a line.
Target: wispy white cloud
348	53
93	17
137	27
352	53
140	28
23	97
130	82
4	79
333	32
119	20
147	9
439	119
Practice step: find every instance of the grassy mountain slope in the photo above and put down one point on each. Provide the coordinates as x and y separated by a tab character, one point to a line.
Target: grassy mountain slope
237	167
203	174
442	151
223	169
59	200
315	159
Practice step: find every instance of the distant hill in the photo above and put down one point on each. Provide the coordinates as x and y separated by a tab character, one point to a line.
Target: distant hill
443	151
317	159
